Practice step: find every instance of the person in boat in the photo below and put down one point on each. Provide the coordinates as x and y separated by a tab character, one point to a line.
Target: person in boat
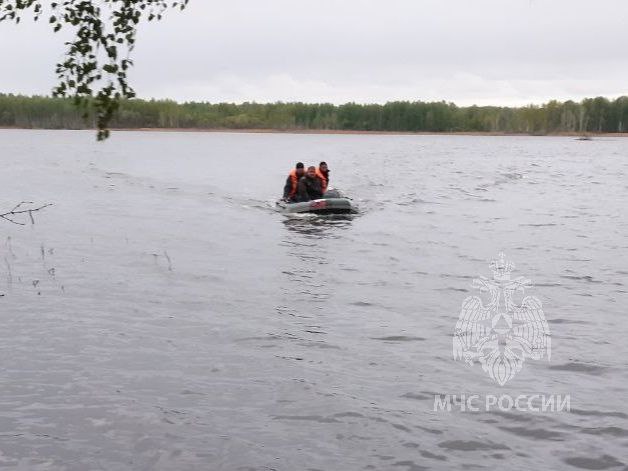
322	172
292	182
310	186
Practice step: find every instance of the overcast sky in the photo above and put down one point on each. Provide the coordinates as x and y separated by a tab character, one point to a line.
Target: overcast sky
508	52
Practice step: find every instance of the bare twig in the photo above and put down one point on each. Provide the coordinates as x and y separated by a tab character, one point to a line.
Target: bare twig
169	261
20	209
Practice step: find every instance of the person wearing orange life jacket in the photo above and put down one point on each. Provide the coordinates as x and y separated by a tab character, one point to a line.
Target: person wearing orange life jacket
292	183
322	172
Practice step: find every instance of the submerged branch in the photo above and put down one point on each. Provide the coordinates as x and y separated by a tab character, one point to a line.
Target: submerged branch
17	211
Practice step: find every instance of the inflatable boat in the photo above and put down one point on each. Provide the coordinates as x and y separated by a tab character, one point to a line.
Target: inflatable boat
332	202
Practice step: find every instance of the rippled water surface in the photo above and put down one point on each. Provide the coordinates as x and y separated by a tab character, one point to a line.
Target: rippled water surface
162	316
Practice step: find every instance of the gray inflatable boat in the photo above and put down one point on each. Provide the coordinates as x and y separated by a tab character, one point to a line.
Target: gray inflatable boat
332	202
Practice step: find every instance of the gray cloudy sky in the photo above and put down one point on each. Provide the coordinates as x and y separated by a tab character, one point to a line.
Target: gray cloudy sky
468	51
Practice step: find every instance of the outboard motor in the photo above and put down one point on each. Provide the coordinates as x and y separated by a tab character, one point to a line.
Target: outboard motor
333	194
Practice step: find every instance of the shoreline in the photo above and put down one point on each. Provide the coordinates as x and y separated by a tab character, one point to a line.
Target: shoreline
337	131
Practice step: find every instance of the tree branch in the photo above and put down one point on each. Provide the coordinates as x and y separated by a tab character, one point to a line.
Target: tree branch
16	211
94	70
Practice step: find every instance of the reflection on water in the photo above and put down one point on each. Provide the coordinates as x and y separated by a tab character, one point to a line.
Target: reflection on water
318	226
306	242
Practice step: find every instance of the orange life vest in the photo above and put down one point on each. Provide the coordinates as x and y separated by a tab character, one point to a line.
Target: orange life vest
294	181
323	179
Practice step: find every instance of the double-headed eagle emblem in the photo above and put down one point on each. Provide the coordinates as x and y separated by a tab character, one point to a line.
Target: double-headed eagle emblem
501	335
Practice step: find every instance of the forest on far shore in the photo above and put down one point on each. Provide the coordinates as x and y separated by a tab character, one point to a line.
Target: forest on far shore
591	115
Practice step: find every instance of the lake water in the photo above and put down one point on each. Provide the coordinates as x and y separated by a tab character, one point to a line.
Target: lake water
163	316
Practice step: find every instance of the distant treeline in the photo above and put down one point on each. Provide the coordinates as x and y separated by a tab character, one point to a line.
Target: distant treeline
590	115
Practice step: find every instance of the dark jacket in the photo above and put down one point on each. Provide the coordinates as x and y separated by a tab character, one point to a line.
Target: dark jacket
309	189
287	189
290	188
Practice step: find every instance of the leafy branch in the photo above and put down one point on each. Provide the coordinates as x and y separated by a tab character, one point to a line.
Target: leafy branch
19	209
94	70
